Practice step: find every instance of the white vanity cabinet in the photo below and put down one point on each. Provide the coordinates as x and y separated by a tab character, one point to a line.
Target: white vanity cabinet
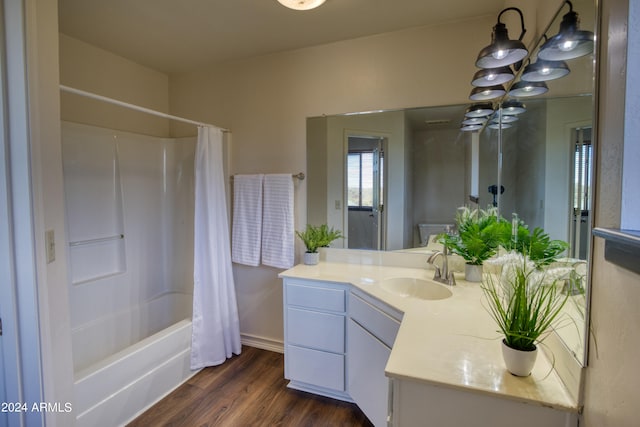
339	338
372	329
418	404
315	320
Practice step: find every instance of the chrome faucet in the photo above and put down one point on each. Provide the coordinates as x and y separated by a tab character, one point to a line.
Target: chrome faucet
442	275
574	284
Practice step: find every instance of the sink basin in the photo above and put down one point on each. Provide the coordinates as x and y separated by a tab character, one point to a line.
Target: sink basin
415	288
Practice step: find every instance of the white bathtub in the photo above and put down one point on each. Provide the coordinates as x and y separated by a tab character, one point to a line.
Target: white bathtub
139	369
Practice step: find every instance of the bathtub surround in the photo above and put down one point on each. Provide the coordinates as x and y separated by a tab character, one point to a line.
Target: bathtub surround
216	330
131	322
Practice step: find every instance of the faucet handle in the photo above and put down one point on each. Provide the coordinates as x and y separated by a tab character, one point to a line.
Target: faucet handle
438	273
451	280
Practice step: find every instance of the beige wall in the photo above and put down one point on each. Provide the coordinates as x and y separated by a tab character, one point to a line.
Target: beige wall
88	68
265	102
440	171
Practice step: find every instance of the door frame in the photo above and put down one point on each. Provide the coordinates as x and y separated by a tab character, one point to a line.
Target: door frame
20	357
384	138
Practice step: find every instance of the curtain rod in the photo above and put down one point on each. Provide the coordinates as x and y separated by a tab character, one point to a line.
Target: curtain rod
135	107
300	176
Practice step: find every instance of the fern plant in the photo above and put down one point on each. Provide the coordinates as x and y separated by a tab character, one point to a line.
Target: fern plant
537	245
478	235
315	237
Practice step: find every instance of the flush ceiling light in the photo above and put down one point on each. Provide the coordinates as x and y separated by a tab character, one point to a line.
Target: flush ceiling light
479	110
487	93
301	4
523	88
502	51
542	71
492	76
570	42
513	108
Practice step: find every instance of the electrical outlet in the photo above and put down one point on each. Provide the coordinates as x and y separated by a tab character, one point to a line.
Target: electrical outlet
50	242
337	204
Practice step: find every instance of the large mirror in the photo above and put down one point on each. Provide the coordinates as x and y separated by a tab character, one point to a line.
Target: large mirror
390	179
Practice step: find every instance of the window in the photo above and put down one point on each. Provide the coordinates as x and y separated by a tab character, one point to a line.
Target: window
582	170
360	171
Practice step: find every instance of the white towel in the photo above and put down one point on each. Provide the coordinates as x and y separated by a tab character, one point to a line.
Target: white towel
247	219
277	221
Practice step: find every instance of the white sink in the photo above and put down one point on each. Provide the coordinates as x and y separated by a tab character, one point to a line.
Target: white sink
415	288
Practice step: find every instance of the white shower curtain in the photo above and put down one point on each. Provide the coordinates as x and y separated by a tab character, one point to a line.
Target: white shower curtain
216	331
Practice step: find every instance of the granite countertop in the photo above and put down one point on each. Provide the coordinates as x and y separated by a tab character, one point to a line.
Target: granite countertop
451	342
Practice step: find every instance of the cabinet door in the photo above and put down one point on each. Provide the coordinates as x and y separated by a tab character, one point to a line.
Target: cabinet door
315	329
318	368
368	386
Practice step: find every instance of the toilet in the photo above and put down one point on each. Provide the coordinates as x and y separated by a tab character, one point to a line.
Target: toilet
428	233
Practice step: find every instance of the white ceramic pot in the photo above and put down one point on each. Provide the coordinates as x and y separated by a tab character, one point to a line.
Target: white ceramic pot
518	362
473	273
311	258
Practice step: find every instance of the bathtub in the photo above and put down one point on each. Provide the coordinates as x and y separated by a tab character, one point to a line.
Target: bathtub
115	381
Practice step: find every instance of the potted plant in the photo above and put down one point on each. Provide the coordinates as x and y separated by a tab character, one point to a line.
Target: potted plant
315	237
524	307
537	245
476	241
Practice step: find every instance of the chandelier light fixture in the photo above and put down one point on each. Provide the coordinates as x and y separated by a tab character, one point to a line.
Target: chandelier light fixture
492	76
503	51
525	89
543	71
479	110
570	42
501	63
487	93
513	108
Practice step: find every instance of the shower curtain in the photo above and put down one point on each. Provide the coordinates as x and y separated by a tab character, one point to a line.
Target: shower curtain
216	331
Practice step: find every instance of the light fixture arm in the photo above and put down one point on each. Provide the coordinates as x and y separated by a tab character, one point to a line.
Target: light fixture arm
524	30
570	5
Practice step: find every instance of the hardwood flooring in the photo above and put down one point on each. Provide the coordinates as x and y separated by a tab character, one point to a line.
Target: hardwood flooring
248	390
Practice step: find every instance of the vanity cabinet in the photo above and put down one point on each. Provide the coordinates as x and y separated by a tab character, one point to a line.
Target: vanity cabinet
372	329
315	335
414	402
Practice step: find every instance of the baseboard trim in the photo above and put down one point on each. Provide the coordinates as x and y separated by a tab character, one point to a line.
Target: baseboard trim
262	343
334	394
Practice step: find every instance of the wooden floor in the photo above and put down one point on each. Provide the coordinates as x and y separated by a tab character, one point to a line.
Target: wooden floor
246	391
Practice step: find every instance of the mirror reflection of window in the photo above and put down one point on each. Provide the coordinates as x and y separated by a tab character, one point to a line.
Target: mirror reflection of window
583	155
364	192
360	180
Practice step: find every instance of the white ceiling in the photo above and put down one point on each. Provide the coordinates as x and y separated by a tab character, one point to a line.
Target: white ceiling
183	35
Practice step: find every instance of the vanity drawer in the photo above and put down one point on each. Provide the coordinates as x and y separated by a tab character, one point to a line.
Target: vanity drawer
374	320
316	297
315	367
321	331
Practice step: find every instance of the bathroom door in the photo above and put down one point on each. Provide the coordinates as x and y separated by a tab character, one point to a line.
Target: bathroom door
365	190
